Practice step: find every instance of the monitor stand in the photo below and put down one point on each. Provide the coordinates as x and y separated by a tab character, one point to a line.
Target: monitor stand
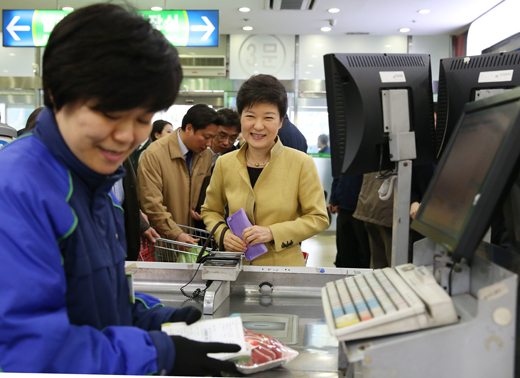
396	119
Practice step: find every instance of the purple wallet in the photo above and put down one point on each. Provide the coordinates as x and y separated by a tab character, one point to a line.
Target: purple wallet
237	223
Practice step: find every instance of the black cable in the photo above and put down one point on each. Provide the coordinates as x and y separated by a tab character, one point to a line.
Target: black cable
380	159
197	294
389	172
449	278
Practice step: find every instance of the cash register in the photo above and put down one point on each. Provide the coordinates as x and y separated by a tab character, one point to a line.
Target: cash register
453	316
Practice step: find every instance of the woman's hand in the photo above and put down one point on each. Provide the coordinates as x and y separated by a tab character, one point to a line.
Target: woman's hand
233	243
257	234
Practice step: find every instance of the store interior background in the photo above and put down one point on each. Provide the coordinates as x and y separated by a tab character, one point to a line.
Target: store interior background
289	45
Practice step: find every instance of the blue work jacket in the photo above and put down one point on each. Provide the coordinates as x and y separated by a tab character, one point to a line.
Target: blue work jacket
64	297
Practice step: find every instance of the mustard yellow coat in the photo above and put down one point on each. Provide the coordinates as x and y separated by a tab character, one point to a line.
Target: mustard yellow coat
288	198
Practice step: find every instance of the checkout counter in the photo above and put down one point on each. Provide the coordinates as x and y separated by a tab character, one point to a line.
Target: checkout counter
286	303
267	295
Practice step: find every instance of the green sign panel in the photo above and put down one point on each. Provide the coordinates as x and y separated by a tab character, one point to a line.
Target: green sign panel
29	28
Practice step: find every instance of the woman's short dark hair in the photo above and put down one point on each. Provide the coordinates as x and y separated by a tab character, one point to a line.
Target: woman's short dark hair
262	89
200	116
230	118
113	56
158	127
31	121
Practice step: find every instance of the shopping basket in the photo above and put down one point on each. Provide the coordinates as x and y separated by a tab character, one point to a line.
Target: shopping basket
165	250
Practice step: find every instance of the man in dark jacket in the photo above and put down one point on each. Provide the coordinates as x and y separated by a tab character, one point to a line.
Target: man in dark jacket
353	249
291	136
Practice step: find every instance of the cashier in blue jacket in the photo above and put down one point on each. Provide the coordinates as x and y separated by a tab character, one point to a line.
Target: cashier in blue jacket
65	300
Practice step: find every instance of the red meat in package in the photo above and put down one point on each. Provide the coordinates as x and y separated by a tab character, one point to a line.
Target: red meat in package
266	353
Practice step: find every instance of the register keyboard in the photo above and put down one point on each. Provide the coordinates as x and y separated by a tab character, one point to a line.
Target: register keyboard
386	301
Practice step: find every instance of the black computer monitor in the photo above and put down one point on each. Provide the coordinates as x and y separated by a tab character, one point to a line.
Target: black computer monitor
474	175
467	79
354	84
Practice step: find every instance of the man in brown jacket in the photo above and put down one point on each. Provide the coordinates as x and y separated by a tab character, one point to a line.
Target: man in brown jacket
172	170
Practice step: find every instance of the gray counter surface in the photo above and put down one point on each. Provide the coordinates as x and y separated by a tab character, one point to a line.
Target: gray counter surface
295	291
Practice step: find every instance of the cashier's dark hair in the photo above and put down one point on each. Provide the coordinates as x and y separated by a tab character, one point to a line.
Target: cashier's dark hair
262	89
111	56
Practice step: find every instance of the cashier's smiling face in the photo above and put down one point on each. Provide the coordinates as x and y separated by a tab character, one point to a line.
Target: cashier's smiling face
102	141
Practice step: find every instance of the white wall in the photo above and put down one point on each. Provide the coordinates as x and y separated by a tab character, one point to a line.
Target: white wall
16	61
259	53
496	25
313	47
438	46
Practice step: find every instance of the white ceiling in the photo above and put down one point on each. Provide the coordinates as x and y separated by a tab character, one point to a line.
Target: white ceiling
377	17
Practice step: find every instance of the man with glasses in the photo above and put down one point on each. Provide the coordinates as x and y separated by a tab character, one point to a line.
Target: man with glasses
227	134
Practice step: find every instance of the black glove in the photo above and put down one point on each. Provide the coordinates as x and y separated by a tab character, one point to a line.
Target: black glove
188	314
191	358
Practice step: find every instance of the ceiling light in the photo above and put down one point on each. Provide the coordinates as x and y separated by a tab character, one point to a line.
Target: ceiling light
404	30
388	45
308	72
310	65
326	29
333	10
423	11
156	9
244	9
248	28
67	9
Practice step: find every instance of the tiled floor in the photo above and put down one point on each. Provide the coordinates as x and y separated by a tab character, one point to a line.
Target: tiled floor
321	249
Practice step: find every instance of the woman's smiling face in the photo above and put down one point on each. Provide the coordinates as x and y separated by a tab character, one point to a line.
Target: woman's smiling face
260	125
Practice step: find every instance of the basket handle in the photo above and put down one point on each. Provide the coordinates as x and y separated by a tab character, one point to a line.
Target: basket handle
211	234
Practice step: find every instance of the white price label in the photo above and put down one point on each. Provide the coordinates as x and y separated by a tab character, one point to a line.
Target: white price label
392	77
495	76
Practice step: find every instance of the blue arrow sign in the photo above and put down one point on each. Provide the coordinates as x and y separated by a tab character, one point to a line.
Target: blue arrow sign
203	28
192	28
17	27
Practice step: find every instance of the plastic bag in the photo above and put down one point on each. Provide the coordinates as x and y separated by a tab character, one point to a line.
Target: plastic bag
190	257
267	353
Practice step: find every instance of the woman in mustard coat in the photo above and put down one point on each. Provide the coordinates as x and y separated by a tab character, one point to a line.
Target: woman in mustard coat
278	187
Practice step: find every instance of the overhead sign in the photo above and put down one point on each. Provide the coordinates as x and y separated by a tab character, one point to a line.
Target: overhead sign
183	28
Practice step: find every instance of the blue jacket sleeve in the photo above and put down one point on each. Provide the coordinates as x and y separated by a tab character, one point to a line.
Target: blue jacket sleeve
149	313
35	332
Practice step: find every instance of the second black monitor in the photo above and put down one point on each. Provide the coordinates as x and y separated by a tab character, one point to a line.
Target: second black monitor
468	79
355	83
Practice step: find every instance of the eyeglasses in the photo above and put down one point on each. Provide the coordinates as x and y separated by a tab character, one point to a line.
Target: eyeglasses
223	137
